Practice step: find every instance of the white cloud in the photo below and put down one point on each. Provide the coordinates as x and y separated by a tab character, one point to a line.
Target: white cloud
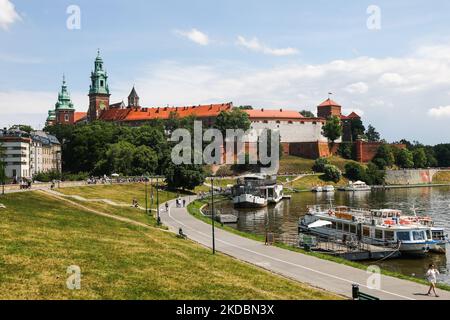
439	112
195	36
8	14
392	79
358	87
255	45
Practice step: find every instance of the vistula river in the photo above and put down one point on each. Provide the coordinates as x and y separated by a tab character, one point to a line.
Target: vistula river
283	218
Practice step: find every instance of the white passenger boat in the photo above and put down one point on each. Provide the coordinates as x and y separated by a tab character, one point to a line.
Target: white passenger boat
256	191
356	186
317	189
328	189
384	227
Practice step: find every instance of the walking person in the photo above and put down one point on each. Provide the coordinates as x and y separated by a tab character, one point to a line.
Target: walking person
431	275
184	203
167	207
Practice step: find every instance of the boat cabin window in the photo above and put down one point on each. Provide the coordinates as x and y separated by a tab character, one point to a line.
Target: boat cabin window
419	235
378	234
353	229
333	225
429	236
403	236
389	235
366	232
346	227
339	225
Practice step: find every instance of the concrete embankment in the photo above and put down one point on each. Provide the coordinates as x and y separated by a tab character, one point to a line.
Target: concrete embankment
412	177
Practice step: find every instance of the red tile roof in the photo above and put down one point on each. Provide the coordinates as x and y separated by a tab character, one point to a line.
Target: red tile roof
354	115
273	114
142	114
78	116
329	103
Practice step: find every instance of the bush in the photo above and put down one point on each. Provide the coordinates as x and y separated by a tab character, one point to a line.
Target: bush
354	171
320	164
374	176
345	151
47	176
332	173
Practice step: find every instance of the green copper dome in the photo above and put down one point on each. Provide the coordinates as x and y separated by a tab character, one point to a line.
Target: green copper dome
51	115
64	101
99	78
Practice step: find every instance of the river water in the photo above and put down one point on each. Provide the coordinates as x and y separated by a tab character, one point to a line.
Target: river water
283	218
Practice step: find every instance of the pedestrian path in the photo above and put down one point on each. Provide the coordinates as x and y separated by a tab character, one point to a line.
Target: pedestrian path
328	275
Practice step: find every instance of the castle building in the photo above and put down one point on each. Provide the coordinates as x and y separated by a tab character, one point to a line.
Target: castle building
299	135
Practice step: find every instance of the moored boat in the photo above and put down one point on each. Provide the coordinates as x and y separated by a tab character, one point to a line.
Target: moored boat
385	227
256	191
356	186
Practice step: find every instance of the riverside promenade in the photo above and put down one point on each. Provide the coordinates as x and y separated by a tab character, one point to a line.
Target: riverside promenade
327	275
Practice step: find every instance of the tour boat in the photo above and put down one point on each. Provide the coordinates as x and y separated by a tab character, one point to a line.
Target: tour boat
317	189
356	186
328	189
385	227
256	191
439	238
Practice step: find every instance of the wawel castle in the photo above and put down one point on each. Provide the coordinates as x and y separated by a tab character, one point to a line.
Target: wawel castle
300	135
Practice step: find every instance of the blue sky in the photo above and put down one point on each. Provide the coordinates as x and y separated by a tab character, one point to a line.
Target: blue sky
286	54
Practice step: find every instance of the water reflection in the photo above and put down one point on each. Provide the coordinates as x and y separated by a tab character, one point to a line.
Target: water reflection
283	218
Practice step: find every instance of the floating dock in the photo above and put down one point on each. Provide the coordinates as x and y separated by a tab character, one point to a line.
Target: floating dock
367	252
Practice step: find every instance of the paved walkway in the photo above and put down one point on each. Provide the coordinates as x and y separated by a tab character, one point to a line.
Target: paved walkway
316	272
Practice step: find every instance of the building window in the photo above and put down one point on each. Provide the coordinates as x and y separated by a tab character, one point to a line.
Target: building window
101	83
66	118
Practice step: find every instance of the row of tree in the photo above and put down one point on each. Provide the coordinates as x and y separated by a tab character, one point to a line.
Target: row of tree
105	148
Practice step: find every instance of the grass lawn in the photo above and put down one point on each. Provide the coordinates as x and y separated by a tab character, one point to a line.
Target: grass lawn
292	164
442	177
121	193
308	182
42	237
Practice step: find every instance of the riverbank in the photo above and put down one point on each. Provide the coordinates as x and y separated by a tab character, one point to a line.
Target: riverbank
194	210
121	256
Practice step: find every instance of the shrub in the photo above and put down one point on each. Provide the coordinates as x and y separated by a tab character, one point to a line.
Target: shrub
332	173
354	171
319	165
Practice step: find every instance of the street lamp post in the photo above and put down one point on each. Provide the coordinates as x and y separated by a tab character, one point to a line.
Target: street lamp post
212	216
146	196
151	195
158	219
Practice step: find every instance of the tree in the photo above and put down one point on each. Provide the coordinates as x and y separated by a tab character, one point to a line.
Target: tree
185	177
307	114
357	128
384	157
355	172
420	158
145	160
405	159
332	173
118	159
374	176
245	107
346	150
332	129
319	165
235	119
372	134
23	127
442	153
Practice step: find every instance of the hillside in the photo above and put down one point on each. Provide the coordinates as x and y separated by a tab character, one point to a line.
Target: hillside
296	165
42	236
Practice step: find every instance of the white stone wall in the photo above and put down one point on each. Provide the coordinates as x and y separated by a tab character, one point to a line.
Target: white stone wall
297	131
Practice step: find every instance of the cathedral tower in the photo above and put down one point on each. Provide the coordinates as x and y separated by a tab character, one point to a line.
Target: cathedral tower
99	90
64	110
133	99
